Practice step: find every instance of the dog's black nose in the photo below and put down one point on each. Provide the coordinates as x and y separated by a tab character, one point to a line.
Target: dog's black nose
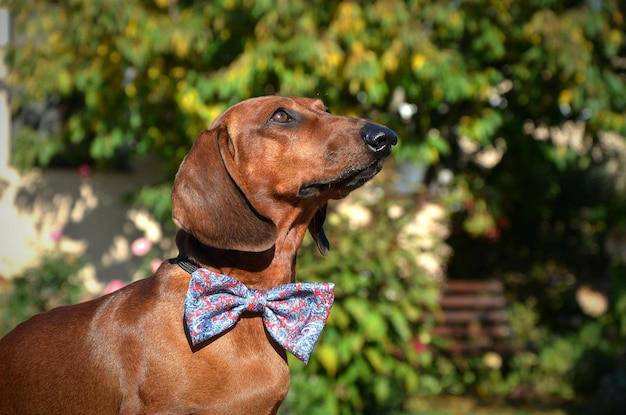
379	139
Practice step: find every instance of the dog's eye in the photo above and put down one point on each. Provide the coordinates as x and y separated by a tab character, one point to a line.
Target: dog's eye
281	116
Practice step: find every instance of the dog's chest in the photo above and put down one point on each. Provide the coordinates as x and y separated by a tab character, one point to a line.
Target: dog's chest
240	372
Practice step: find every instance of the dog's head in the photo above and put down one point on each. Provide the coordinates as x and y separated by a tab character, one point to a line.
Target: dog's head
266	155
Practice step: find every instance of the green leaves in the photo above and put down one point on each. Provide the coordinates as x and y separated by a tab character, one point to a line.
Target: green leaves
365	358
51	283
171	66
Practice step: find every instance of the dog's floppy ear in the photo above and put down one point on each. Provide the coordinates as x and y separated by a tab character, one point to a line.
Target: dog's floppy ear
211	203
316	228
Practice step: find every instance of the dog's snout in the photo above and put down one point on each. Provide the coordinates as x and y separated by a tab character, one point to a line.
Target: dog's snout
379	139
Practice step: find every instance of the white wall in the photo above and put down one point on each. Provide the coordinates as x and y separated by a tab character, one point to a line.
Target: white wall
4	104
89	214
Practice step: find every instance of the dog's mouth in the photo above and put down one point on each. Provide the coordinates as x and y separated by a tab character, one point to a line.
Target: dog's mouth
347	181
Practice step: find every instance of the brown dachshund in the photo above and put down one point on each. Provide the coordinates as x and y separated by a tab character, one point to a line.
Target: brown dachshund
243	198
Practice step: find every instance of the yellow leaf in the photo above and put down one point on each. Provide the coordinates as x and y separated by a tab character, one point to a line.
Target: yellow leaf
131	90
178	71
390	62
437	93
579	77
180	43
64	80
115	57
375	359
153	72
55	38
615	37
225	34
354	86
334	58
102	49
131	27
565	97
189	99
418	61
358	48
327	355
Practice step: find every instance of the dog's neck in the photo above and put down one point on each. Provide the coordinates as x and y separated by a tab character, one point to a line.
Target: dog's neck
261	270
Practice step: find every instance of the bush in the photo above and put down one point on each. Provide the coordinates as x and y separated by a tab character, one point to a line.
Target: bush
366	360
54	282
546	365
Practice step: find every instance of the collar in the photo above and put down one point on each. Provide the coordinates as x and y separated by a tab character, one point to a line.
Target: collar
293	314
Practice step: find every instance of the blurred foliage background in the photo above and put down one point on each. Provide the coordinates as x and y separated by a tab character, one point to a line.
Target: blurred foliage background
511	165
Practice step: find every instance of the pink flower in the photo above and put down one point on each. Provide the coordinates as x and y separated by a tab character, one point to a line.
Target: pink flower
84	170
56	235
140	246
155	264
419	347
113	286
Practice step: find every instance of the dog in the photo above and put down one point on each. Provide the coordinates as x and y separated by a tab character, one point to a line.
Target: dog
244	197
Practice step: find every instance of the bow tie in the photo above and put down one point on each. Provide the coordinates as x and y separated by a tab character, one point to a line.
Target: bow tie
293	314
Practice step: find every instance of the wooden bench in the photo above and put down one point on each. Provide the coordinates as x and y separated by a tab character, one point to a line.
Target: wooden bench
473	319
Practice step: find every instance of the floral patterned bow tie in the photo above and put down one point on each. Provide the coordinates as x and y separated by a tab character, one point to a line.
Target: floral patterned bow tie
293	314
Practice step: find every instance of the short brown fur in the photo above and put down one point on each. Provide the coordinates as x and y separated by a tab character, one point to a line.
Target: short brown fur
243	198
